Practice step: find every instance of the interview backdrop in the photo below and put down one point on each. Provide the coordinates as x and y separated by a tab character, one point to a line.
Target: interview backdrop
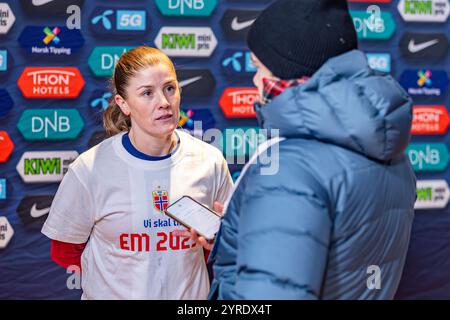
56	58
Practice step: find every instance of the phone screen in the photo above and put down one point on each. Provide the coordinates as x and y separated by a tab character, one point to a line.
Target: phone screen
194	215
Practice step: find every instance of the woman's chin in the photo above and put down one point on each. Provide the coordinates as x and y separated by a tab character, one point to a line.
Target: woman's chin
166	129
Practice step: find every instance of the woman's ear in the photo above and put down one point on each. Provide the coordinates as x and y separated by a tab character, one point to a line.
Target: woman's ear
122	104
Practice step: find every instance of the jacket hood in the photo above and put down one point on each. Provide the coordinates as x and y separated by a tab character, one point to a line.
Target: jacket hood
345	103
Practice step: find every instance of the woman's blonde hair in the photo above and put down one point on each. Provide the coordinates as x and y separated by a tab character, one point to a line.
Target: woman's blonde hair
130	63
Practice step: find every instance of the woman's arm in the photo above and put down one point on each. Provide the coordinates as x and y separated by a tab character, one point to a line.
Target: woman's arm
66	254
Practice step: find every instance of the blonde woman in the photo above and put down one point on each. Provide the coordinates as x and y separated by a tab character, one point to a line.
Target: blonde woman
109	206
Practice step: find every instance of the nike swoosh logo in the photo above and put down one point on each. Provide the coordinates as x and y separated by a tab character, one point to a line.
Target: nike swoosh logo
38	3
36	213
236	25
189	81
414	48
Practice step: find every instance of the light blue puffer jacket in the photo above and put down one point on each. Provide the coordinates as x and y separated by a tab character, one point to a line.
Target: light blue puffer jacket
334	222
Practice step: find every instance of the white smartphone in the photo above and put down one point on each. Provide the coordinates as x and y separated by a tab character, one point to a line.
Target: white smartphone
193	214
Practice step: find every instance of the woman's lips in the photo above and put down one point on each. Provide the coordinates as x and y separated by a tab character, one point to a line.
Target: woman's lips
165	117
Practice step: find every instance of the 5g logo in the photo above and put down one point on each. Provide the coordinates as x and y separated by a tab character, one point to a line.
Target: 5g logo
374	280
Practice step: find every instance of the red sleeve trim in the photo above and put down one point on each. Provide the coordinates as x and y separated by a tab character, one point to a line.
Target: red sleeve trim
66	254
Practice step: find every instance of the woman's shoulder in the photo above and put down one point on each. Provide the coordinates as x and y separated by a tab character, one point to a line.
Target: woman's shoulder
197	147
97	155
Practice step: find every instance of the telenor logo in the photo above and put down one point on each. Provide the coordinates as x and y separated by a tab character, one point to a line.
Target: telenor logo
50	124
33	210
424	46
6	232
103	60
186	41
428	156
236	23
237	62
98	103
45	166
424	10
7	18
238	102
6	146
51	82
51	41
432	194
186	7
430	120
106	21
425	82
373	25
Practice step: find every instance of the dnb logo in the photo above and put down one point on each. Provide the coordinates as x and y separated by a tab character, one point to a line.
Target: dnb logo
160	200
238	102
186	7
6	146
33	210
379	61
425	82
98	103
432	194
428	156
103	60
50	124
240	143
373	24
51	82
6	232
51	41
123	22
186	41
45	166
7	18
237	62
6	103
196	83
430	120
424	10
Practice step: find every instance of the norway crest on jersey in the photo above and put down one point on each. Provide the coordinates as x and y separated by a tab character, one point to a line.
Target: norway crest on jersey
160	200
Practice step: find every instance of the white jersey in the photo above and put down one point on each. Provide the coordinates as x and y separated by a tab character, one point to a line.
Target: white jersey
113	200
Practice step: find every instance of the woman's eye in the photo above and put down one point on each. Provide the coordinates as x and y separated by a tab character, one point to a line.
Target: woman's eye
147	93
170	89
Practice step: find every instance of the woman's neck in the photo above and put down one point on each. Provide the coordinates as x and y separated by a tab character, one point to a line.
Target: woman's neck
153	146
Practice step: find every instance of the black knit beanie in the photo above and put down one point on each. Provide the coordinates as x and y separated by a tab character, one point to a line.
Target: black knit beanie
294	38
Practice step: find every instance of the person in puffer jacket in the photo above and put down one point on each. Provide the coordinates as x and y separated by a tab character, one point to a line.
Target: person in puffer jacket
334	221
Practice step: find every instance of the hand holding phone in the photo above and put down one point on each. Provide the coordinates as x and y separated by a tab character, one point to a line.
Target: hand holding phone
194	215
